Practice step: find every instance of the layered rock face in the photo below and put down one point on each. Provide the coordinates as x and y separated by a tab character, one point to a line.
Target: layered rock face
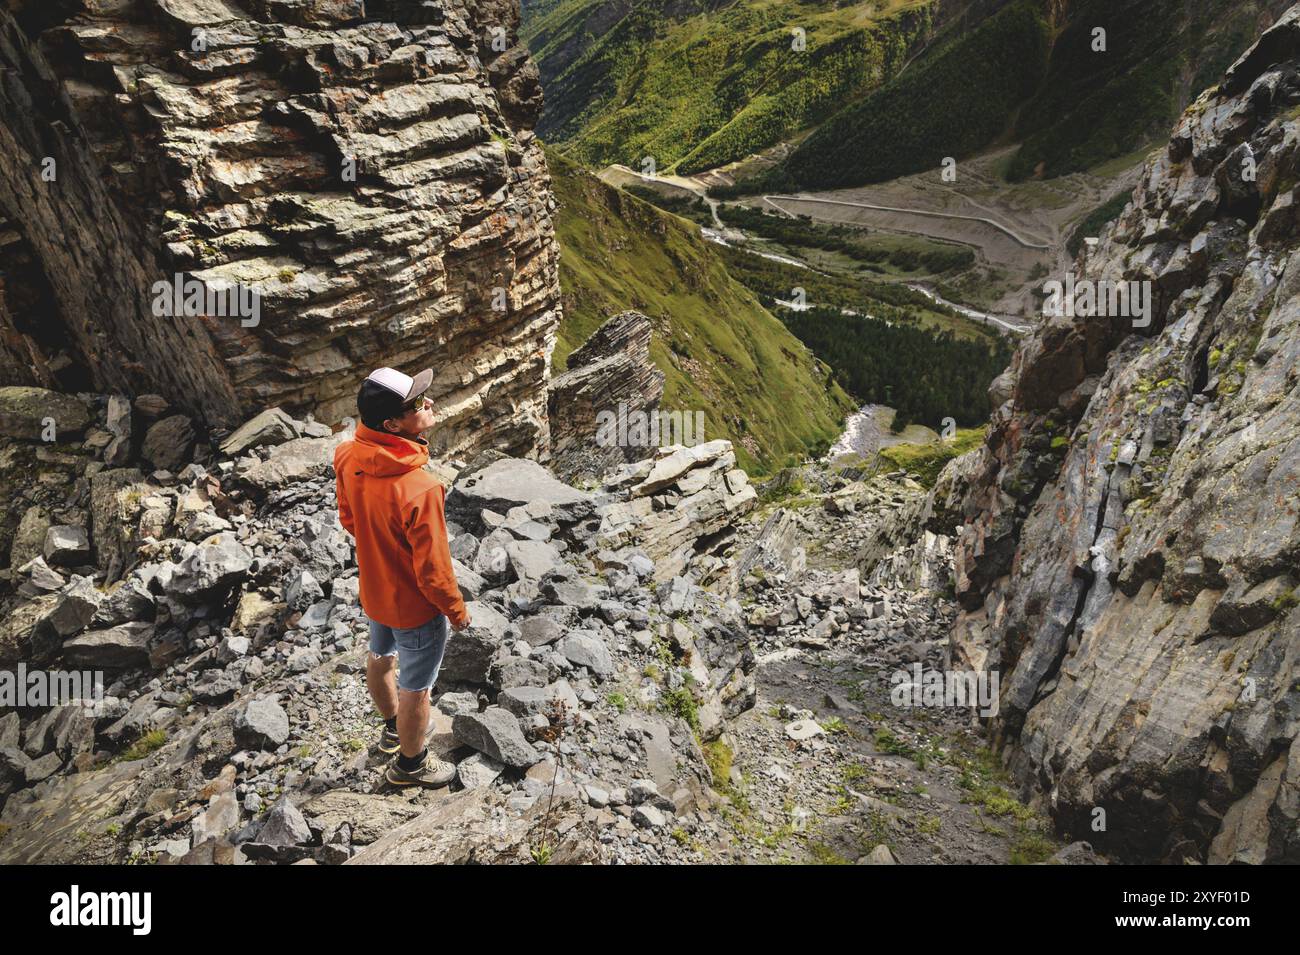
1131	551
368	170
610	377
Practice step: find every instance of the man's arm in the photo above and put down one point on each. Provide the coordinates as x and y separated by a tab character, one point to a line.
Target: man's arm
341	498
431	554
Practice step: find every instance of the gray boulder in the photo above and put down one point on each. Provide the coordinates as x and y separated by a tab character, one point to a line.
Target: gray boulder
203	524
66	545
561	588
531	559
220	817
270	427
120	647
507	483
78	604
540	630
478	771
167	443
526	701
303	590
29	413
284	825
469	653
40	576
25	633
29	536
298	460
218	564
677	596
130	600
43	768
585	648
471	584
263	722
496	733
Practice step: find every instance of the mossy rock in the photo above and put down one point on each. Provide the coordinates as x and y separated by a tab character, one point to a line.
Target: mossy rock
37	414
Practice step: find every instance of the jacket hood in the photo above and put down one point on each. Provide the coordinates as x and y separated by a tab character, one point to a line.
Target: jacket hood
381	454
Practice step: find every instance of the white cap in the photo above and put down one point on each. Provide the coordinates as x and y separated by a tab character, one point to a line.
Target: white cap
402	385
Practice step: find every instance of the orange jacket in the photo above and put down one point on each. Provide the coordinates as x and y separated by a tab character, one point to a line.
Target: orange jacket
394	510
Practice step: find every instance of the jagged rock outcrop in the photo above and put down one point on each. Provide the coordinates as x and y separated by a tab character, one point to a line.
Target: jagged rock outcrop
610	379
1130	558
680	507
913	547
368	170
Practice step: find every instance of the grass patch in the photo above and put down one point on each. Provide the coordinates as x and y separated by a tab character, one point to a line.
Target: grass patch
926	461
1030	847
719	758
681	703
982	781
823	854
143	746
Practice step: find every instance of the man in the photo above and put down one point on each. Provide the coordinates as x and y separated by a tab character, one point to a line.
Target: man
394	510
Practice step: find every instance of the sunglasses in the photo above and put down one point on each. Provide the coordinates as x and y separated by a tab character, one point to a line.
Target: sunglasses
417	404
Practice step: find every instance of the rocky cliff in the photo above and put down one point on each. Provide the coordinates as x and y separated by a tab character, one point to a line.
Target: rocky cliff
1130	556
346	184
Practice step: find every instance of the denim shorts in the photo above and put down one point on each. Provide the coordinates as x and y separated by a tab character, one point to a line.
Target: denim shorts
418	650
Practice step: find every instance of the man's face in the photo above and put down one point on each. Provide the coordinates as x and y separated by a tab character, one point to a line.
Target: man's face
416	421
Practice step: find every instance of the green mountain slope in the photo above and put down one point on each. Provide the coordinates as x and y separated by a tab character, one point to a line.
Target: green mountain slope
722	352
1160	55
884	88
955	100
696	84
1033	73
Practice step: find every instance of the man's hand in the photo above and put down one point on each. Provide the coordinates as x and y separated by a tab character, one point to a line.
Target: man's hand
462	626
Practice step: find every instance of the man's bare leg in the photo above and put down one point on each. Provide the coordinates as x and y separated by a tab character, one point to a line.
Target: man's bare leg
381	681
412	721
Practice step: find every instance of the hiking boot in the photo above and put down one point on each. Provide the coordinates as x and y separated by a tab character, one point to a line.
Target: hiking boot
431	773
388	741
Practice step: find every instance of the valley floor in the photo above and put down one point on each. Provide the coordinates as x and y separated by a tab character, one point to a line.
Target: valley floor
1019	230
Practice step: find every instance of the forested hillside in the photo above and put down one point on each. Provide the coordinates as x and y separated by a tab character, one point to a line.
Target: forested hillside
1076	84
954	101
883	87
926	376
696	84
